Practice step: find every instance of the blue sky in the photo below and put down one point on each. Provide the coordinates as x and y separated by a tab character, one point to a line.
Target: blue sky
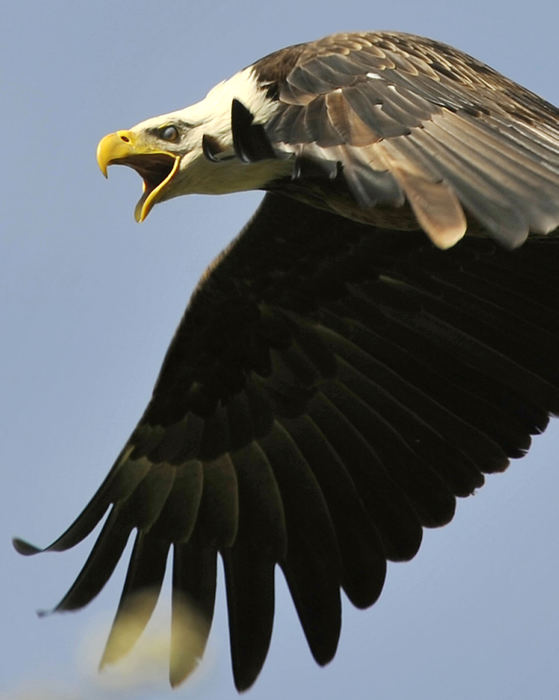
88	303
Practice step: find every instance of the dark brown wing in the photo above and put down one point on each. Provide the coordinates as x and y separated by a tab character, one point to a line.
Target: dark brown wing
330	390
411	119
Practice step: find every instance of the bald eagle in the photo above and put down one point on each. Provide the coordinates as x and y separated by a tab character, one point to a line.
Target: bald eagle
382	333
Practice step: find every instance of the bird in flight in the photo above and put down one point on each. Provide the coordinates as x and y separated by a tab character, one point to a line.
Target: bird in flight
382	333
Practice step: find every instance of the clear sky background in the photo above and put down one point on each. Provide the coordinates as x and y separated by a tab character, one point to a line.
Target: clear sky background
88	303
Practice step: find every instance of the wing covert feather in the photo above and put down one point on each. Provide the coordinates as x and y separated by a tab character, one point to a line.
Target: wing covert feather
486	153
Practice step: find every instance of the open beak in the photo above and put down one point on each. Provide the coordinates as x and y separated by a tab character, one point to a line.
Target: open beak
156	167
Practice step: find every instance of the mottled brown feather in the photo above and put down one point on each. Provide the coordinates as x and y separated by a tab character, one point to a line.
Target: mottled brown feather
382	88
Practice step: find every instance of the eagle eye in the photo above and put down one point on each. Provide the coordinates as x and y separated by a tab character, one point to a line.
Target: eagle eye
169	133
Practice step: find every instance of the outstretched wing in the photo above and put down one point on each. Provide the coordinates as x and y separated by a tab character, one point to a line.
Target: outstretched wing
330	390
413	120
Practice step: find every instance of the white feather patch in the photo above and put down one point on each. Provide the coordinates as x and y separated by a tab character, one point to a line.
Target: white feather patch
212	116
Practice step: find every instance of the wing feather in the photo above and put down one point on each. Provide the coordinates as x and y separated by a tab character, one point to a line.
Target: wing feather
144	578
362	556
101	562
193	601
311	565
250	562
330	390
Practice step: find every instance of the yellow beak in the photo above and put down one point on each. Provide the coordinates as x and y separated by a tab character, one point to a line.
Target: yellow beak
156	167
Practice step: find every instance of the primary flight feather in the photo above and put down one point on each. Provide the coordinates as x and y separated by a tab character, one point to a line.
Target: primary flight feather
338	377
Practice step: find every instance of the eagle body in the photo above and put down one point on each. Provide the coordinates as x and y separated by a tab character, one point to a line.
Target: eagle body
382	333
